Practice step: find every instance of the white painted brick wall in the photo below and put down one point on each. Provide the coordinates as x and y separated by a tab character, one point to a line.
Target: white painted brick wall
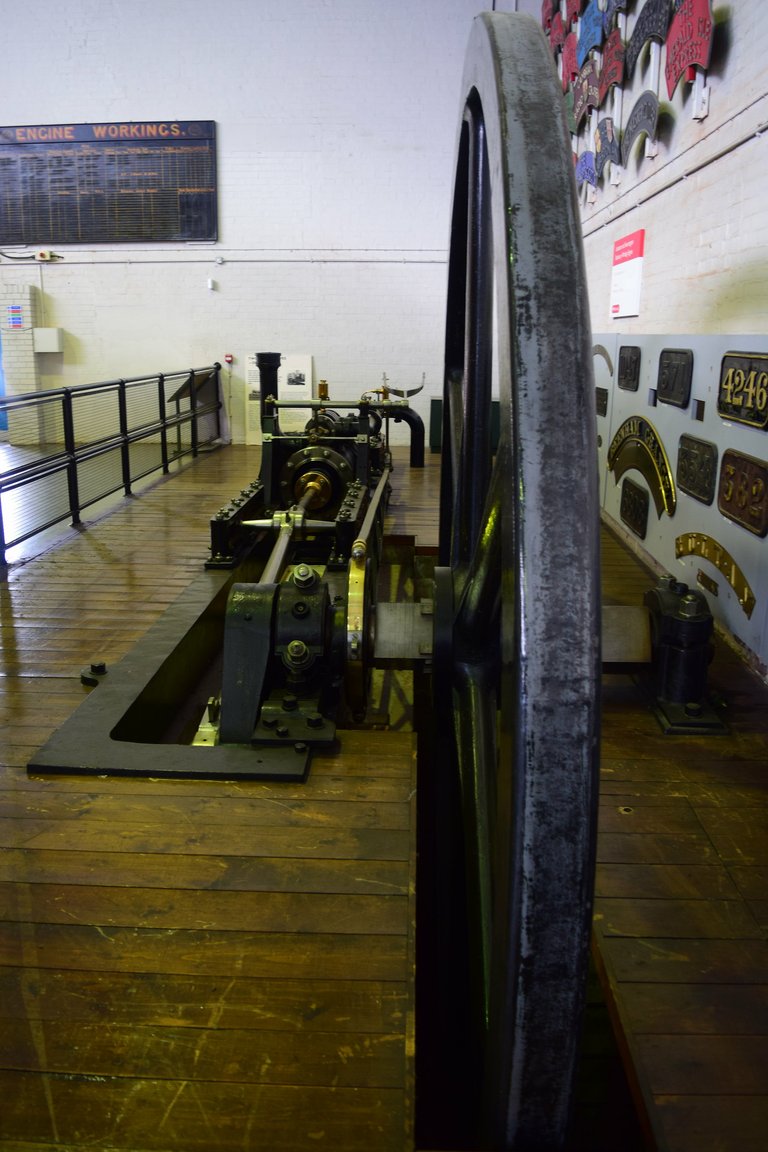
701	199
19	361
18	356
336	127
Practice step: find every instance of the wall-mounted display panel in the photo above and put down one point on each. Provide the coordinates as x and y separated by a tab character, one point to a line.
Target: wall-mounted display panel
108	183
691	436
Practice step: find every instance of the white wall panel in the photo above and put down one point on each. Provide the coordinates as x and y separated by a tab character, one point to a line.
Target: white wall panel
690	515
336	125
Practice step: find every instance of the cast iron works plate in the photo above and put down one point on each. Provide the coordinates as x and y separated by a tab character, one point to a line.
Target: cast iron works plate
743	492
675	375
629	367
633	510
697	468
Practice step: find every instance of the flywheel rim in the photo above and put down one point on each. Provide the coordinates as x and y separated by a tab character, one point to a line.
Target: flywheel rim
535	815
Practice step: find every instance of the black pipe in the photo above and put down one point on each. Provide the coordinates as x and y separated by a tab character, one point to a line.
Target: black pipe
268	364
416	424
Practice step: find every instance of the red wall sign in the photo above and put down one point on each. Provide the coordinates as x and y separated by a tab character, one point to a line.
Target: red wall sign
612	70
556	33
547	12
689	40
570	64
572	10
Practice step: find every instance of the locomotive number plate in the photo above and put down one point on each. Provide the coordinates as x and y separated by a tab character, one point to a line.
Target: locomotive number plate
675	375
697	468
633	508
743	392
743	492
629	367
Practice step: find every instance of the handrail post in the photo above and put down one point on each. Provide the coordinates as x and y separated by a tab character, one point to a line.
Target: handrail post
217	378
125	451
3	561
163	422
193	410
68	421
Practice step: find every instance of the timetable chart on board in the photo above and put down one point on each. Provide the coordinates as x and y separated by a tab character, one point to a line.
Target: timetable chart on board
108	183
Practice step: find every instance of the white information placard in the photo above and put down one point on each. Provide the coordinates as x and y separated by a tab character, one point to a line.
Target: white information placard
294	382
627	274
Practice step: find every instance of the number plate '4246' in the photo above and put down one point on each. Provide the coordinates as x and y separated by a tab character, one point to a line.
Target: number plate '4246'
743	393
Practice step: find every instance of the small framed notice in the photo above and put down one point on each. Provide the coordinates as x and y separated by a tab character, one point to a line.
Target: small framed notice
627	274
294	382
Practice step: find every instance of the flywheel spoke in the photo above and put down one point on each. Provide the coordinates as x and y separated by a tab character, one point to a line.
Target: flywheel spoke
469	343
474	711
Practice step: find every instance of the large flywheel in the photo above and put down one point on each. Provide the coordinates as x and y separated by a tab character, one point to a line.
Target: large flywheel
517	600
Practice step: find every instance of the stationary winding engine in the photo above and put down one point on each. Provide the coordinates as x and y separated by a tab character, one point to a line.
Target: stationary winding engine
299	635
508	778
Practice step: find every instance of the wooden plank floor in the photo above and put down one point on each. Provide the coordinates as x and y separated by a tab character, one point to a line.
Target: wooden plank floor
189	965
193	966
681	919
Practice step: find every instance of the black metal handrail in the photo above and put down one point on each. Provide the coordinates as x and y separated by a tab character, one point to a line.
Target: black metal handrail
63	454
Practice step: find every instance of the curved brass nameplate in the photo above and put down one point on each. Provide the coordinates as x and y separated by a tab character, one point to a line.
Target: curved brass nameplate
698	544
601	350
637	445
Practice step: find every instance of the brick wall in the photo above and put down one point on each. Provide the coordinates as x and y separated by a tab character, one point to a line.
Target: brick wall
18	356
700	199
336	128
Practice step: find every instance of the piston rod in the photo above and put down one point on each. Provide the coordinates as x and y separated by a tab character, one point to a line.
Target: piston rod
360	545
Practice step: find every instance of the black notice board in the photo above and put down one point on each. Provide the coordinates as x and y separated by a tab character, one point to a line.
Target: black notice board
108	183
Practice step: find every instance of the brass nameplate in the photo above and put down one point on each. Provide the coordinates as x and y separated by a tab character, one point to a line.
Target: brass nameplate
743	391
743	492
697	468
637	445
698	544
707	583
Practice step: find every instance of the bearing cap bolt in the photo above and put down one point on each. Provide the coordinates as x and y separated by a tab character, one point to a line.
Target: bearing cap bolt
297	654
303	576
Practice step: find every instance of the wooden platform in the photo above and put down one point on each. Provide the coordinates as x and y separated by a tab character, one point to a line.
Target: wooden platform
191	966
681	918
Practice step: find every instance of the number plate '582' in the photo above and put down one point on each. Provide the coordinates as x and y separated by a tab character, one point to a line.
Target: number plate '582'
743	491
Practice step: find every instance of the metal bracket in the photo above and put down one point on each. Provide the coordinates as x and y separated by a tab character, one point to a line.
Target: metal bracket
247	652
403	634
700	109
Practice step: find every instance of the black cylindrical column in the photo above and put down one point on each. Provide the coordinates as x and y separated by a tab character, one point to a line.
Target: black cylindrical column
681	640
268	364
